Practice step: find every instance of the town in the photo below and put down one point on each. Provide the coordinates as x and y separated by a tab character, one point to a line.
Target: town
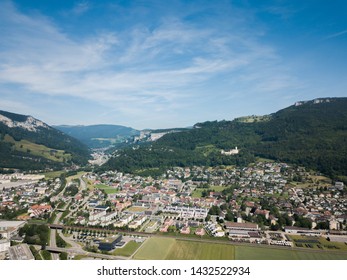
266	203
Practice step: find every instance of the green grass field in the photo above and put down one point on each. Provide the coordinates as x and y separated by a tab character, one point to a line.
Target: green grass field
107	189
261	253
53	174
188	250
128	249
155	248
158	248
38	150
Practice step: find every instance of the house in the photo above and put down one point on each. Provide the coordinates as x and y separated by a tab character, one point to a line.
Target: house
38	210
262	212
164	228
185	230
200	232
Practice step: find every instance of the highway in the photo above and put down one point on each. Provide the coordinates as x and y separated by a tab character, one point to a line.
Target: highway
52	240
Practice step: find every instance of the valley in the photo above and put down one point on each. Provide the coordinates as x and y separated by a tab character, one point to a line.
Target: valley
256	185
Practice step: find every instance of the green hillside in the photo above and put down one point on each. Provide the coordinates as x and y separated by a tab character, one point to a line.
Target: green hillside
33	149
313	134
27	143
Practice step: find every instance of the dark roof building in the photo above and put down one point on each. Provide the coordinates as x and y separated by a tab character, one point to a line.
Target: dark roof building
109	244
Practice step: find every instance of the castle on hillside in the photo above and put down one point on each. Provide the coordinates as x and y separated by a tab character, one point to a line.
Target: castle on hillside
230	152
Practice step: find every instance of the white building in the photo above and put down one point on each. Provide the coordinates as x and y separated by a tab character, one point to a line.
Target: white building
230	152
137	222
187	212
4	245
10	228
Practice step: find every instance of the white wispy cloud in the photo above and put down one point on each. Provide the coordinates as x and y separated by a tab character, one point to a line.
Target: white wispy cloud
338	34
170	64
81	7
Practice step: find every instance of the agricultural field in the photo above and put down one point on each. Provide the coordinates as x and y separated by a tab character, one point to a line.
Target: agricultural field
190	250
263	253
157	248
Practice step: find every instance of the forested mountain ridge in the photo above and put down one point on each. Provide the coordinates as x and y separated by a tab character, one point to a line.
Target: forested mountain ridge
311	133
27	143
98	136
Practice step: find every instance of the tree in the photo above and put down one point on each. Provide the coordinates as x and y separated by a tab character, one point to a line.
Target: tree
63	256
229	216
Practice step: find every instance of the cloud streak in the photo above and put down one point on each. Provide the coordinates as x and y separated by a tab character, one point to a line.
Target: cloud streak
174	62
336	35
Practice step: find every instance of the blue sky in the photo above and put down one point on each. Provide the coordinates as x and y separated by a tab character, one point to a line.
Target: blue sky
161	64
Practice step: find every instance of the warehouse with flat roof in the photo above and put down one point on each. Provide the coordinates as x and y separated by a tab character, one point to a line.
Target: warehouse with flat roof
20	252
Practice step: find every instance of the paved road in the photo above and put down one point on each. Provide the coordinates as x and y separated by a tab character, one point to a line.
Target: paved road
76	251
52	241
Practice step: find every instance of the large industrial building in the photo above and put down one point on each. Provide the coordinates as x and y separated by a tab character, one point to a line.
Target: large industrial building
110	243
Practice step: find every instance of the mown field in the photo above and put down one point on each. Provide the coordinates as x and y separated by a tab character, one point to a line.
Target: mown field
158	248
128	249
155	248
261	253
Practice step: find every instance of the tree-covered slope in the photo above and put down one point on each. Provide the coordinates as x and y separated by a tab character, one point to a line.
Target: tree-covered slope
98	136
312	133
27	143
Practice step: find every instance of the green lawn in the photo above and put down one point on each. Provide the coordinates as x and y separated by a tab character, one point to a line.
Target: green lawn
128	249
155	248
107	189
